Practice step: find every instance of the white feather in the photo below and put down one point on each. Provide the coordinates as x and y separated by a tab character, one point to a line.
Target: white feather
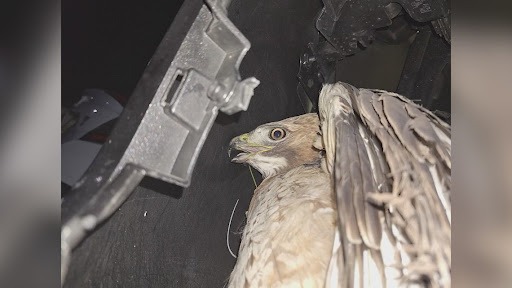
268	166
441	193
333	276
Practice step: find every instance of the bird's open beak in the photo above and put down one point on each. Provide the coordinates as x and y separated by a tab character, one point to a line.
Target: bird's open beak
245	148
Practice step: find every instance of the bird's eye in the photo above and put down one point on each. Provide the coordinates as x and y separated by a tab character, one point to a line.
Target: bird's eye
277	134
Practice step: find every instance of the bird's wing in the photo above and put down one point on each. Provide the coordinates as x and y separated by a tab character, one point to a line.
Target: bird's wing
390	161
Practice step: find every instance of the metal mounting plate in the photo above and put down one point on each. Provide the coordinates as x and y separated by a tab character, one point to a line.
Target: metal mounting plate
202	78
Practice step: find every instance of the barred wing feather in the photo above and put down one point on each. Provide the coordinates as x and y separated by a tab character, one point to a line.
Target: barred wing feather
390	161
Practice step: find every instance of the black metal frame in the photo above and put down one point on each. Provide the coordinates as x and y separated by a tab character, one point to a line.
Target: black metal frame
347	27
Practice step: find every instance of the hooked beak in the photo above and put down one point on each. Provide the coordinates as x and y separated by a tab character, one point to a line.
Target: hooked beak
240	143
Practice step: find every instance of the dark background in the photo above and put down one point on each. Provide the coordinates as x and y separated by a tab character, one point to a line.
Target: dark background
107	44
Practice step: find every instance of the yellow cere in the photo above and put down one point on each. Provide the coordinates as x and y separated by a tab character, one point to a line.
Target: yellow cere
244	137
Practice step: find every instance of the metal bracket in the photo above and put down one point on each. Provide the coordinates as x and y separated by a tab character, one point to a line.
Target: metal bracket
202	78
231	94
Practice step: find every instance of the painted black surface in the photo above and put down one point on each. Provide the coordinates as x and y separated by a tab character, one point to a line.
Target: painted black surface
166	236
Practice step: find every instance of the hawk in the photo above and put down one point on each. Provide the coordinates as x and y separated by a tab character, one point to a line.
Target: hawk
356	196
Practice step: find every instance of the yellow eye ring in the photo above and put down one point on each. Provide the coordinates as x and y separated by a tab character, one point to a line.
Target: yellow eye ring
277	134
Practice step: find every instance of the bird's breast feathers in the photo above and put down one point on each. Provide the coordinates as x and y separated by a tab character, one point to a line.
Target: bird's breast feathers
289	233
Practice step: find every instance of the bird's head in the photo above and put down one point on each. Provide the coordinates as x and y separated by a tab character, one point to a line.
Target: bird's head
277	147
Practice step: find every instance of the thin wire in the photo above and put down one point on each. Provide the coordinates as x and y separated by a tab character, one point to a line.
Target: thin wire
233	213
229	227
253	179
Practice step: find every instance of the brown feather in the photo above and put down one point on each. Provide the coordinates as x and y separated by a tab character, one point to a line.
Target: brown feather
344	190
